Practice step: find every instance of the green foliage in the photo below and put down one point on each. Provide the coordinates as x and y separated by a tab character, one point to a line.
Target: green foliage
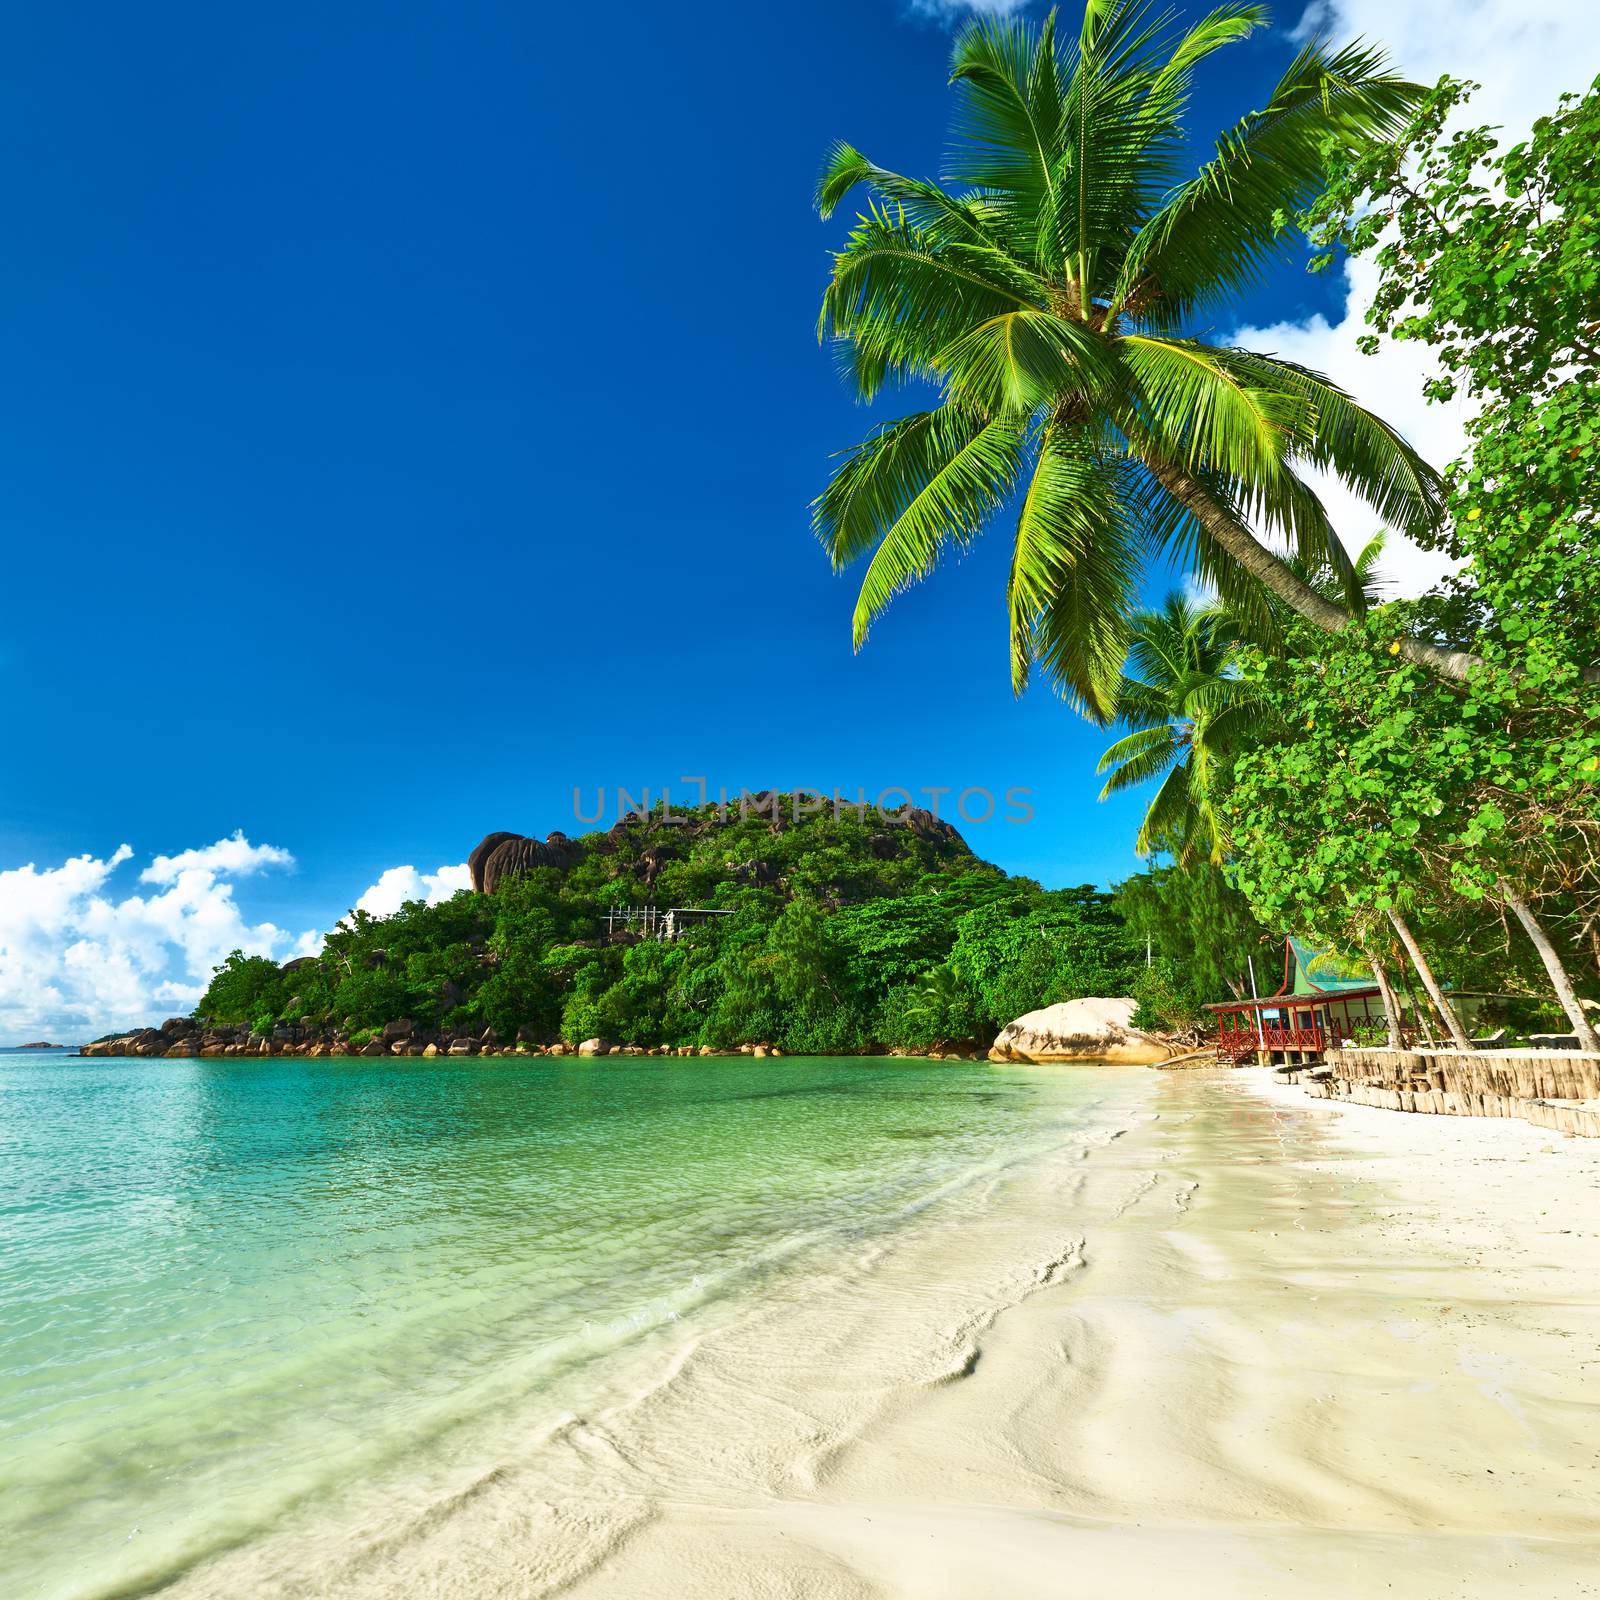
1066	944
940	1008
1186	706
1169	998
1377	788
243	989
1363	788
847	933
1050	298
1201	933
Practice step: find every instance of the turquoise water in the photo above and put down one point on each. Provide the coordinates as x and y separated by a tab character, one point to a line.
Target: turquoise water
230	1290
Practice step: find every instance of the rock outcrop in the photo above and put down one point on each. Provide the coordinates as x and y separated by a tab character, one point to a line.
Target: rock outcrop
502	855
183	1036
1081	1030
509	855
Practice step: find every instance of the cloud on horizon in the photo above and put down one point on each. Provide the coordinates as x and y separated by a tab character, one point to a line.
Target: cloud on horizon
1525	53
77	961
400	884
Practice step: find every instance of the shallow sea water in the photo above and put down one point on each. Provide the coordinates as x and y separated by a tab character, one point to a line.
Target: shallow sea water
237	1294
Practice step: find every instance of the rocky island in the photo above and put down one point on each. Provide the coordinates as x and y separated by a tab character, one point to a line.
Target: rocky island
775	927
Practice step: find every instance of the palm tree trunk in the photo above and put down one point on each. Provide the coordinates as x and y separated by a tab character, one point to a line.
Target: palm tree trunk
1559	981
1391	1007
1248	551
1441	1002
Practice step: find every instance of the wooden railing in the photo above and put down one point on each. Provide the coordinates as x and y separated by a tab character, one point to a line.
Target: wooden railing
1244	1044
1234	1046
1305	1037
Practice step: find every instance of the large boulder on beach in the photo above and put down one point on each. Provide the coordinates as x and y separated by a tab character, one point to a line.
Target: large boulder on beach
1081	1030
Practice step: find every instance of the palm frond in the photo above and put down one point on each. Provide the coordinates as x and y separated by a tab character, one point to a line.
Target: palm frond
1227	24
897	297
1073	571
1020	360
935	214
1137	758
1169	823
1193	408
1343	437
1217	234
1174	533
909	490
1140	705
1290	505
1008	124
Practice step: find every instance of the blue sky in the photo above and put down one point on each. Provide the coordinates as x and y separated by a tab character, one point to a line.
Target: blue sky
411	412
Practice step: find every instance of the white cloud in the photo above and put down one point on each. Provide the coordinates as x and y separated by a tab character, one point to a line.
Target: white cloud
76	961
957	8
400	884
1525	53
235	856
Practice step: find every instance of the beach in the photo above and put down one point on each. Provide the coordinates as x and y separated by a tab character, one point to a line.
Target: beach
1250	1346
1292	1351
1194	1329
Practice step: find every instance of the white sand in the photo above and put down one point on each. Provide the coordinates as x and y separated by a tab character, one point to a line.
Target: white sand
1258	1346
1308	1351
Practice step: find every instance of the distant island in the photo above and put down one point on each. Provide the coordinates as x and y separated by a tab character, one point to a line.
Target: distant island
38	1044
785	925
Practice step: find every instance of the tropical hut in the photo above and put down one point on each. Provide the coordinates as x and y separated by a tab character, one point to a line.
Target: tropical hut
1319	1004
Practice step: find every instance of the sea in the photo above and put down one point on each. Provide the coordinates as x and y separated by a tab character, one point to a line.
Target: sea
258	1312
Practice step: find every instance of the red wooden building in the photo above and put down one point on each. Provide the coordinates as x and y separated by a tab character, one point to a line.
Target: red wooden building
1317	1006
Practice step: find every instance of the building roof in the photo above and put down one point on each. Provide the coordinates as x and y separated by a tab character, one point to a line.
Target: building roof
1309	974
1321	971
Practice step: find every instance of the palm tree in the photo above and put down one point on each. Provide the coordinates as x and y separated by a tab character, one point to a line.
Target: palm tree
940	1001
1186	710
1051	297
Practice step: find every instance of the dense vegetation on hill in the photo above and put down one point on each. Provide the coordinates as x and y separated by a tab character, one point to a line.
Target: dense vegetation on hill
846	934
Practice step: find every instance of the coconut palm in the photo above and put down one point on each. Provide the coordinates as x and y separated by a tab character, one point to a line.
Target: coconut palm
1053	294
1362	574
1186	710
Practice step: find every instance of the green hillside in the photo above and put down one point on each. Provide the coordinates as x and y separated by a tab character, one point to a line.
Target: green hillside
845	933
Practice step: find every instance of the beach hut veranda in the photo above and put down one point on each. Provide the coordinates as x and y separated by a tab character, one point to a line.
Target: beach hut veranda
1318	1005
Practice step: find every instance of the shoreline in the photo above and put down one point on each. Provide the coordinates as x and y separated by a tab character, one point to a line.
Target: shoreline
1297	1355
1256	1345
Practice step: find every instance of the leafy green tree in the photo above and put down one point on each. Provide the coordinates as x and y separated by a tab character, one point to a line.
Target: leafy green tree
1492	259
375	995
1185	704
242	989
1200	932
1068	944
583	1015
1169	999
1052	303
829	918
939	1008
1381	801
